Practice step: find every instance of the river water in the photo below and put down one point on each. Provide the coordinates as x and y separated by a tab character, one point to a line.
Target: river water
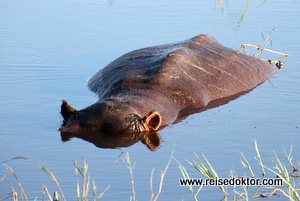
48	50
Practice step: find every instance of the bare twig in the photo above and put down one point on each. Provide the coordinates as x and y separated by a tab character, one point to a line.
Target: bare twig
118	158
103	192
277	189
15	195
162	176
151	185
23	194
46	192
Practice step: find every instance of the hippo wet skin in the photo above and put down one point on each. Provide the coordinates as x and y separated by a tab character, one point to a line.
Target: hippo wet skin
145	90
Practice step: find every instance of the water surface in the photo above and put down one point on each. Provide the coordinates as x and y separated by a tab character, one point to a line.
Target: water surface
48	50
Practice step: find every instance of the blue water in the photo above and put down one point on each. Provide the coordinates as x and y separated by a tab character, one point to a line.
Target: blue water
48	50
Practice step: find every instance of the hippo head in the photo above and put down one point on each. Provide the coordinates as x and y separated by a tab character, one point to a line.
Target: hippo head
113	116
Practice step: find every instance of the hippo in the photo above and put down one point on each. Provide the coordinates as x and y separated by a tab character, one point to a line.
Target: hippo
146	89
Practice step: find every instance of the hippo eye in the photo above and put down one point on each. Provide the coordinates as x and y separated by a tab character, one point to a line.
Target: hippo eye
106	127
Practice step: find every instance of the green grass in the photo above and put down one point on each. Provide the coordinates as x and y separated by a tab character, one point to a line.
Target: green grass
283	169
185	175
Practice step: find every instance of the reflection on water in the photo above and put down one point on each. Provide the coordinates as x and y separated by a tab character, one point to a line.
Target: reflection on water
107	140
241	13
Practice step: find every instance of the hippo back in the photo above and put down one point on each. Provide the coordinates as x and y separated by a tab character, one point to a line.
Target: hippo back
137	68
190	73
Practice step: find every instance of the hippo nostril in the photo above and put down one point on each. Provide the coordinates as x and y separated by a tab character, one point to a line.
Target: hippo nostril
71	127
106	127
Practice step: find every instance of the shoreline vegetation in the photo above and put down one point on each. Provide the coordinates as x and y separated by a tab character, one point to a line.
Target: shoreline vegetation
283	168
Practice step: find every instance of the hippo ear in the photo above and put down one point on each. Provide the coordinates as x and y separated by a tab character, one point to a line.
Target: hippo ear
153	120
151	140
66	110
